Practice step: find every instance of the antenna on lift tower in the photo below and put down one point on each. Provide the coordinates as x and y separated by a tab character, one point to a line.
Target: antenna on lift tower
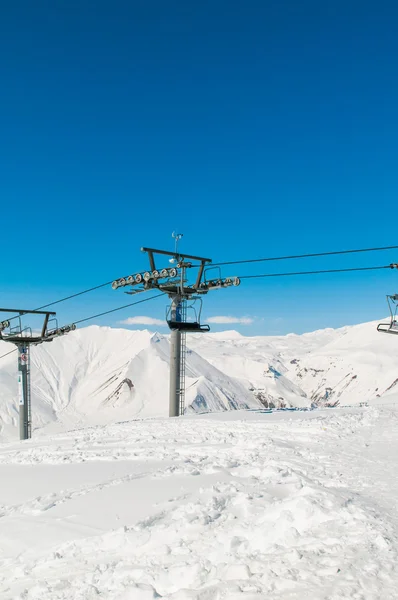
184	313
23	338
177	237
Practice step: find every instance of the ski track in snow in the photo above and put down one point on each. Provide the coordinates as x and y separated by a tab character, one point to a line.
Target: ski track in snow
205	509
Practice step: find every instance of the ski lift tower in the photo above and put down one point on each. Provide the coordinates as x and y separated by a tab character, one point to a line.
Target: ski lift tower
23	338
184	313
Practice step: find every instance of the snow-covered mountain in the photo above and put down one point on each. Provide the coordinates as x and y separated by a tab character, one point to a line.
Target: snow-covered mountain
357	366
99	374
264	362
328	367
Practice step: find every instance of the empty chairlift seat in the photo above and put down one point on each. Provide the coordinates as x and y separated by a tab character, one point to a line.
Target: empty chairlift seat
186	318
392	326
188	326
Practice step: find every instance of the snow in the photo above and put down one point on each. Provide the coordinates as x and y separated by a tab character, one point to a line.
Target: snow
99	375
112	500
344	366
238	504
358	366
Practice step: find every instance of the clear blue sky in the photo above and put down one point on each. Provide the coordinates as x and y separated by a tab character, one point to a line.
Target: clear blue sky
256	128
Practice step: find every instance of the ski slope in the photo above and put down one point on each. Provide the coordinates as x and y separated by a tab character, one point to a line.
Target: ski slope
237	505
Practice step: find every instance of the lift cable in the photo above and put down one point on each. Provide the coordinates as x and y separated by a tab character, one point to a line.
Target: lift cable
391	266
7	353
107	312
294	256
97	287
316	272
236	262
255	260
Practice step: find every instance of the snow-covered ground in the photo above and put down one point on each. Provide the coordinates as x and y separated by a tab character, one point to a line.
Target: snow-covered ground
284	506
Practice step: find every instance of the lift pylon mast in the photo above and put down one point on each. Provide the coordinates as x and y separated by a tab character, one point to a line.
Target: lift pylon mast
24	338
183	358
175	283
175	364
24	400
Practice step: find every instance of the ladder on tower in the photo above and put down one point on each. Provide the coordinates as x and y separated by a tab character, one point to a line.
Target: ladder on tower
28	399
183	355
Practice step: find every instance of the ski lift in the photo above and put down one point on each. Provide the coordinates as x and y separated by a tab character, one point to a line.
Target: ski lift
191	322
392	326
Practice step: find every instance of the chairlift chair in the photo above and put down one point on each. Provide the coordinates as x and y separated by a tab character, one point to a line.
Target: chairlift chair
214	278
190	326
392	326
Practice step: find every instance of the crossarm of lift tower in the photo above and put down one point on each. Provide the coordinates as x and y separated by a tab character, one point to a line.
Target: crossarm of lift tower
174	281
19	334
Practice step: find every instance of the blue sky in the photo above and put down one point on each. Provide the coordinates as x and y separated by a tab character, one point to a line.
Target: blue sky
261	128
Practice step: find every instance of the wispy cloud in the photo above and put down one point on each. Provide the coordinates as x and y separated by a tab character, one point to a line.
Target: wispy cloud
142	321
223	319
